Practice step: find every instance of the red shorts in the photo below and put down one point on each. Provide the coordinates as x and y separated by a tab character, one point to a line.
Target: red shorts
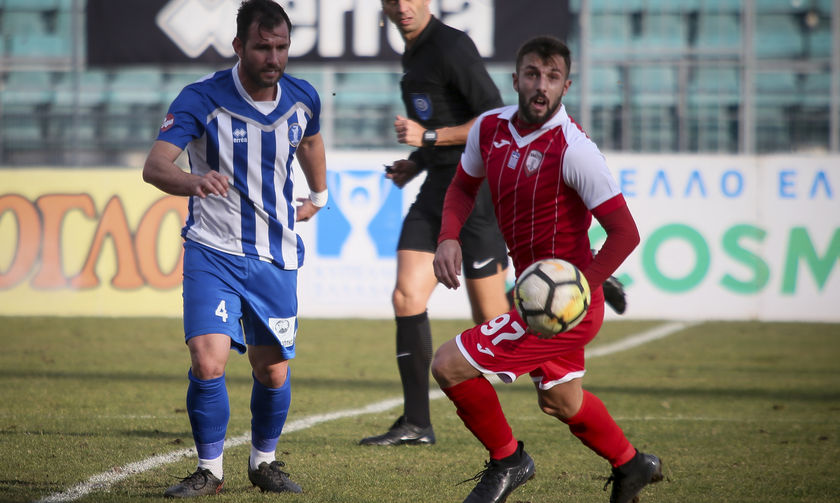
502	347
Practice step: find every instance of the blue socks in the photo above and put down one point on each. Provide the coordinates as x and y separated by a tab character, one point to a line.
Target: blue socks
269	407
209	411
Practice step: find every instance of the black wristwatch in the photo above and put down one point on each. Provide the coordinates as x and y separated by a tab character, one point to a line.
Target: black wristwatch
429	138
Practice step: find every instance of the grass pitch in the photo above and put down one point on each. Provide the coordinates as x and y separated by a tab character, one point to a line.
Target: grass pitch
738	412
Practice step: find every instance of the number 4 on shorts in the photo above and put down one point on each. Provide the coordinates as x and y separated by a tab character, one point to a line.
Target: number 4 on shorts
221	311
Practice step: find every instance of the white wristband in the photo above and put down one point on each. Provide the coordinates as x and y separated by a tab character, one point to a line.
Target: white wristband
319	199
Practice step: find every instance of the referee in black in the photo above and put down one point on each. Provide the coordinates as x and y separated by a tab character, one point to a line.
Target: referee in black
445	86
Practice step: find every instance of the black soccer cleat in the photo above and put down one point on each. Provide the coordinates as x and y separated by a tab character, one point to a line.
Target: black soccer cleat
630	478
270	478
614	294
499	478
201	483
403	433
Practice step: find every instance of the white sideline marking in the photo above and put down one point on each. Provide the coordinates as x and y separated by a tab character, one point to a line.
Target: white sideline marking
104	480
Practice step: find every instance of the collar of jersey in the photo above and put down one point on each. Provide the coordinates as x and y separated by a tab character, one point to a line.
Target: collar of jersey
558	119
247	97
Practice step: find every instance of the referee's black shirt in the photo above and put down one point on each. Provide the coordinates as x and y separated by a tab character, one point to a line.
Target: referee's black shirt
444	84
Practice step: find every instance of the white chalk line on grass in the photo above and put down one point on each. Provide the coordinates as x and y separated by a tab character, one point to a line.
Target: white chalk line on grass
103	481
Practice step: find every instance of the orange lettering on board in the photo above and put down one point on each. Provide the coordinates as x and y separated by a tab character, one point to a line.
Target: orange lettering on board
29	238
113	223
54	207
147	243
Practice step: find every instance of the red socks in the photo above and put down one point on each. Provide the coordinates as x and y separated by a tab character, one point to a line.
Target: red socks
594	426
478	407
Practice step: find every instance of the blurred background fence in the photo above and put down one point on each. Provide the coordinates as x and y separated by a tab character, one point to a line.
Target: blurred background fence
669	76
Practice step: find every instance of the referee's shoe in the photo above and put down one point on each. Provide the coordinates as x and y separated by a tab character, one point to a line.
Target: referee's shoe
402	432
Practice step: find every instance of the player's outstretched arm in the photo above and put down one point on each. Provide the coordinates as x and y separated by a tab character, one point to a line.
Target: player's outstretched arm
447	263
161	171
313	161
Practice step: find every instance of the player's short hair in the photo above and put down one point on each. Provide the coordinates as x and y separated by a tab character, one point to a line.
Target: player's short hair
267	13
545	46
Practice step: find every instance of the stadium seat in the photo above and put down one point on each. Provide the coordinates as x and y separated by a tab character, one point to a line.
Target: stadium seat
366	88
818	41
662	35
92	89
776	88
721	5
135	86
816	89
610	32
27	89
717	33
22	22
27	46
600	6
777	36
653	86
717	86
670	6
31	5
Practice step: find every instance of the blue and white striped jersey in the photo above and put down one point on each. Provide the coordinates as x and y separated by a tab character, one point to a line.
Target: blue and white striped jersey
252	144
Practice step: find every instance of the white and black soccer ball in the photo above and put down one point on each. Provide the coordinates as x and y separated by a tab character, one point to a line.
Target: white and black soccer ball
551	296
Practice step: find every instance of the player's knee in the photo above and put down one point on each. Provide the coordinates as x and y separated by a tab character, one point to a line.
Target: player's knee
561	409
442	367
207	369
407	303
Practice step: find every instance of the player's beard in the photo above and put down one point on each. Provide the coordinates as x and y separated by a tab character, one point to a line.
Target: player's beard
256	76
530	117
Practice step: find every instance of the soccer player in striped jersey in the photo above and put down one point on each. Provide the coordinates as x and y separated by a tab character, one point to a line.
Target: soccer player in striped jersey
547	180
241	128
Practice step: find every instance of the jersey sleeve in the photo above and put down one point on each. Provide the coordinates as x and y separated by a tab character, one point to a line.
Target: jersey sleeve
470	77
586	171
471	160
313	126
182	123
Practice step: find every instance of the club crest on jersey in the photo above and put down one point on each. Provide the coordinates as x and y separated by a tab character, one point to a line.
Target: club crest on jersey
168	121
295	134
422	105
533	161
240	135
513	160
284	330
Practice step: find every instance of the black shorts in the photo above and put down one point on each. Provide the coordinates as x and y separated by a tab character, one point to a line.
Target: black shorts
482	244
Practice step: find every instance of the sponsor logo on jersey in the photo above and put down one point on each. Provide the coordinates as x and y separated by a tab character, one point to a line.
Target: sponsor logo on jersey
168	121
284	330
513	160
295	134
500	144
533	161
240	135
422	105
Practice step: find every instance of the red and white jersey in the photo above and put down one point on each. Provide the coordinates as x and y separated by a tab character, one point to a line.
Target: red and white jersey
543	184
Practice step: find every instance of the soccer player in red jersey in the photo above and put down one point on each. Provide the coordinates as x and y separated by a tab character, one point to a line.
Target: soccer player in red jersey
547	180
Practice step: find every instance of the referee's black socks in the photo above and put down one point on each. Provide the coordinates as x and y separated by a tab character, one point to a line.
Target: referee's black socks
414	357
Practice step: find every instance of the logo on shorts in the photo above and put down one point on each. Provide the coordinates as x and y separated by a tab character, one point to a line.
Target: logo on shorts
284	330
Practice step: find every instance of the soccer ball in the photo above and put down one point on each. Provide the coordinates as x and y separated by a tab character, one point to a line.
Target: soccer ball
551	296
